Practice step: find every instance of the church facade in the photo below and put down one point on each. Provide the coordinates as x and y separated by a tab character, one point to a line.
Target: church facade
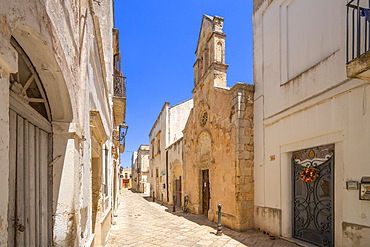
218	136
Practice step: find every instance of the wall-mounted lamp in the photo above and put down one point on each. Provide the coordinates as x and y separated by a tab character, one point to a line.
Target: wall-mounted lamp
123	128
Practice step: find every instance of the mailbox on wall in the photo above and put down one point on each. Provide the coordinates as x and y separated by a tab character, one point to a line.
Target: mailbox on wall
365	189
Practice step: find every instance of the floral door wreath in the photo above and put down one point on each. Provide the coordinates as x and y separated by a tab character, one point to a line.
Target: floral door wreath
309	174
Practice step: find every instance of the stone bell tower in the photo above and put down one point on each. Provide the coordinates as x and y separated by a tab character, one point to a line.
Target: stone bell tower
210	53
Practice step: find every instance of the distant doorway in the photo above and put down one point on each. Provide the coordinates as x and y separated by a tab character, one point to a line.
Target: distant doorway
178	191
205	191
156	184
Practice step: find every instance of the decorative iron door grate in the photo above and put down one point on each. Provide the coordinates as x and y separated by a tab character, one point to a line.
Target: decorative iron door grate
313	196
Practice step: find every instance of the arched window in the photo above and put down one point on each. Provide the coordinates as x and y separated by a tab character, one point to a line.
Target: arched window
219	53
27	84
206	57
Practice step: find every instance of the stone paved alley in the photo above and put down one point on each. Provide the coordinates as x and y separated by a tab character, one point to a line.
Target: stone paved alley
141	222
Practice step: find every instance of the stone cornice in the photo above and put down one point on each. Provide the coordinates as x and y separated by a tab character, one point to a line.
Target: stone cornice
244	86
214	67
217	34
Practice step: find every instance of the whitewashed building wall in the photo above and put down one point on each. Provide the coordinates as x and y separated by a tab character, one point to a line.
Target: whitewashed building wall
63	41
168	127
303	99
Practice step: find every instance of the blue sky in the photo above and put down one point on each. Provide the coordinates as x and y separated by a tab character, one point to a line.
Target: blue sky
157	42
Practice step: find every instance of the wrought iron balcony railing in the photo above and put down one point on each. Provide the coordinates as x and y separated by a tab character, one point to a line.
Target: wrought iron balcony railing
119	84
358	28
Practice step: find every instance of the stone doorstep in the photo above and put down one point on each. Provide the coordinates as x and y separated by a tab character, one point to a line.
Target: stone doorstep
297	242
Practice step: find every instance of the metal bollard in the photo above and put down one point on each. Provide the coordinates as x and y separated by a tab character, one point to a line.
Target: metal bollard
174	207
219	227
153	196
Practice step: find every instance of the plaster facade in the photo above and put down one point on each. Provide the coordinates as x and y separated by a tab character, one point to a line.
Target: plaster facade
134	170
218	136
143	185
176	173
303	99
166	130
67	98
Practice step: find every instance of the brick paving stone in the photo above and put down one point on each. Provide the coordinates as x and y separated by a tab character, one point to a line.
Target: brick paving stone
141	222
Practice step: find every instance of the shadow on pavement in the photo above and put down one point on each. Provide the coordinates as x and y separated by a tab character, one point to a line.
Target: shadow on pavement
230	237
248	238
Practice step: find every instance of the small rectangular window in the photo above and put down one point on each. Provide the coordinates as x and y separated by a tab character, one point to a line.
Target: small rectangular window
152	148
158	142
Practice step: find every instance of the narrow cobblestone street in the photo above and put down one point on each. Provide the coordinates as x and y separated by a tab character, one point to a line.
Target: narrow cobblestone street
141	222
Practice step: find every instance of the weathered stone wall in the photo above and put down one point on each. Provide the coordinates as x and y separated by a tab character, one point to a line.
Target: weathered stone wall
32	24
229	156
355	235
60	38
242	107
8	64
270	215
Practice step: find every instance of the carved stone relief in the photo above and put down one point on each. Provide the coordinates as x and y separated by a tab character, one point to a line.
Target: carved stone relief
204	150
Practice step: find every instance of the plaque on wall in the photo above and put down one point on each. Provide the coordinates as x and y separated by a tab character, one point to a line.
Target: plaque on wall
352	185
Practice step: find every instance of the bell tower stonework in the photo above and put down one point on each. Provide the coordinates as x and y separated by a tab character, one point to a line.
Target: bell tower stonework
210	53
